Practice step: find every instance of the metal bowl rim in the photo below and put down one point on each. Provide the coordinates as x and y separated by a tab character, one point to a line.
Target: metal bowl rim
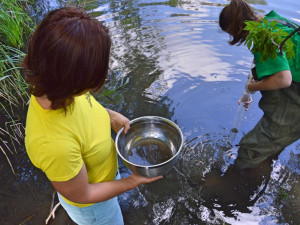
150	117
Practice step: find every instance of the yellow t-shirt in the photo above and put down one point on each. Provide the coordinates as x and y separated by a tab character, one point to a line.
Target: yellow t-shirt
60	143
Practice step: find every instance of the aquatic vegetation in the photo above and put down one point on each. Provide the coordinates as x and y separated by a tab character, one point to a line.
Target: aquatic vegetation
283	193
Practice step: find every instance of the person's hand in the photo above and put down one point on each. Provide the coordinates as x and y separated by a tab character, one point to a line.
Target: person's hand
118	121
246	99
138	180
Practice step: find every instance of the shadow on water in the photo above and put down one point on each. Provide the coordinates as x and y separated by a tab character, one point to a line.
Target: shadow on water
179	66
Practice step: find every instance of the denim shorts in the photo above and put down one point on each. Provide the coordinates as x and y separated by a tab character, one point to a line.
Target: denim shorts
101	213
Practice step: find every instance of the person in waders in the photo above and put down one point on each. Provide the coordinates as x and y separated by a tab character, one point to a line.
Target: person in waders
278	81
68	133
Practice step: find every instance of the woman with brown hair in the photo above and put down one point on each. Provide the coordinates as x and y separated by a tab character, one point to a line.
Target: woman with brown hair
68	133
278	81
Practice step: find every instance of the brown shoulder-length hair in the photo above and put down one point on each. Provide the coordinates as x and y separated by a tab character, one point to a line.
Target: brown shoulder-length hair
68	54
232	20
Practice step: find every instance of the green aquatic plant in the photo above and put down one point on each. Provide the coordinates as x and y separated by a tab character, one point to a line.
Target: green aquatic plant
283	193
266	38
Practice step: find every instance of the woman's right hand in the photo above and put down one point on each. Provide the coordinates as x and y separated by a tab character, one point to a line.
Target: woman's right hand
138	179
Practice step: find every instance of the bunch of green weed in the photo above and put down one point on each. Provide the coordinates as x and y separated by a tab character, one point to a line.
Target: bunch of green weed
266	38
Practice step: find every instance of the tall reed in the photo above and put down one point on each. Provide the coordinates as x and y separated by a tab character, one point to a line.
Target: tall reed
15	26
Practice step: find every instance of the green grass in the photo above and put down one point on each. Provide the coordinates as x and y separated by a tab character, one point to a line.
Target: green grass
15	27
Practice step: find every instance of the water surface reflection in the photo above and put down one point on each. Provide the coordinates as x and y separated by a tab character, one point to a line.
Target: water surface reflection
181	67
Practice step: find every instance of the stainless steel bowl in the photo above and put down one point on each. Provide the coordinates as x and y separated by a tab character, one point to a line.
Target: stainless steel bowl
151	146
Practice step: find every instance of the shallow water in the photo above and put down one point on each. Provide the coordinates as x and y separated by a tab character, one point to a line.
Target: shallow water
179	65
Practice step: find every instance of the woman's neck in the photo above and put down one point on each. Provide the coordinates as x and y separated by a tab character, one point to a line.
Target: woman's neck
44	102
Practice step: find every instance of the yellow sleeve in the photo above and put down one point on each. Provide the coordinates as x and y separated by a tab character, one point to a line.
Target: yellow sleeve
61	160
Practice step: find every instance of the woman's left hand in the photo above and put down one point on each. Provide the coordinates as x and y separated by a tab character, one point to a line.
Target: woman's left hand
118	121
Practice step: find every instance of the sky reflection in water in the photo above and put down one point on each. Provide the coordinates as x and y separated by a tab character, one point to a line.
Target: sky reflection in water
199	77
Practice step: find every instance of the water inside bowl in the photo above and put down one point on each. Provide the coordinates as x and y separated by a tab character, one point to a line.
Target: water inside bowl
148	152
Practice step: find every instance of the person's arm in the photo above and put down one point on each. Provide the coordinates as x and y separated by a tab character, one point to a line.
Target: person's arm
282	79
118	121
79	190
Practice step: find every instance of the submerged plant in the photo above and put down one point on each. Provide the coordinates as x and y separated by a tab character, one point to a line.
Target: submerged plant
266	38
283	193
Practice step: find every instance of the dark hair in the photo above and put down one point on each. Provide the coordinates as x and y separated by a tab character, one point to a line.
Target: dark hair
67	55
232	20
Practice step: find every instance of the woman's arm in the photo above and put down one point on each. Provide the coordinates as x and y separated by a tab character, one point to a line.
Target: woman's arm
282	79
79	190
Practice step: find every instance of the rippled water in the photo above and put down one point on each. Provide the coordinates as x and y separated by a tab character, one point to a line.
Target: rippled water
179	65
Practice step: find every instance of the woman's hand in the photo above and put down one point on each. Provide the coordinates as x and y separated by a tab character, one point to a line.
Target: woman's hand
118	121
246	99
138	180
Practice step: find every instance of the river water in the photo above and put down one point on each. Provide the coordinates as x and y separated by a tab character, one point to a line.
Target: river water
176	63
